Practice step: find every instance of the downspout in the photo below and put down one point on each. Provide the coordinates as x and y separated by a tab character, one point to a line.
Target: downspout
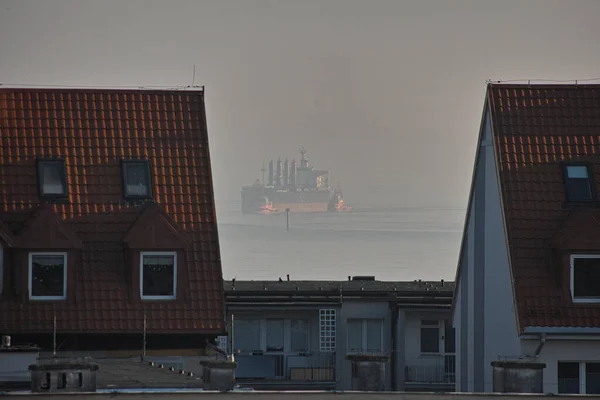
394	309
538	350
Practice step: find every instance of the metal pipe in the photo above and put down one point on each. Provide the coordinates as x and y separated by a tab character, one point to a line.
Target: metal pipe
394	310
54	337
538	350
144	338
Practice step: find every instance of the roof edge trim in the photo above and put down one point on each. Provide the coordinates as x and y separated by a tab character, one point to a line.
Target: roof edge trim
561	329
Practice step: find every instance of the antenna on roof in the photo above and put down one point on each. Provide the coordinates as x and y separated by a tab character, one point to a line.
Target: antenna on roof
54	336
194	76
144	337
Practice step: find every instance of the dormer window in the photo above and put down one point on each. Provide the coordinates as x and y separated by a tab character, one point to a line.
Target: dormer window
578	183
47	276
52	179
136	179
585	278
158	277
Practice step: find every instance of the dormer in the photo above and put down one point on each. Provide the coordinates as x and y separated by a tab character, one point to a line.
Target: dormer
578	245
44	257
156	256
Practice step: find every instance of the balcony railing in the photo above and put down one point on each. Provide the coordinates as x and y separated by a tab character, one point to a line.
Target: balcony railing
297	367
439	369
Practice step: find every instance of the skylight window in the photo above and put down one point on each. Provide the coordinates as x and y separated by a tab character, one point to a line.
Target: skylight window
578	183
52	179
136	179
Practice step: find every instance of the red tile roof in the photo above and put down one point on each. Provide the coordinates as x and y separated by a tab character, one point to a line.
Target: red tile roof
94	130
537	127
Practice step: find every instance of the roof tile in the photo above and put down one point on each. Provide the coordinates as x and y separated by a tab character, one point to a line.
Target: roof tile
93	130
537	127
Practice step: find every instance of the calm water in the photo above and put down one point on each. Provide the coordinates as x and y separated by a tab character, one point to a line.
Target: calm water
391	243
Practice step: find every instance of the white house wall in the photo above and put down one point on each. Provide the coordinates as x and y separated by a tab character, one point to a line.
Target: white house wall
484	312
361	310
499	314
555	350
424	365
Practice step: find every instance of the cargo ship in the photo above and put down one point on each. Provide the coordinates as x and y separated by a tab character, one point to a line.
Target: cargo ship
299	188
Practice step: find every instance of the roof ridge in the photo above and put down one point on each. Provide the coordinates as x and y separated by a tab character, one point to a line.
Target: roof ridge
538	82
26	86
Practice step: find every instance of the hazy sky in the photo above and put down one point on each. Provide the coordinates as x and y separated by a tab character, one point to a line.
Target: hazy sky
387	94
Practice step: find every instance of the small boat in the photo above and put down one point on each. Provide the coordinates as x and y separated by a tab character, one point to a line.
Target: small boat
268	208
336	203
341	206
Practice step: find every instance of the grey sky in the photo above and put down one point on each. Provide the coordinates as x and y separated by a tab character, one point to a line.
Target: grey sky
387	94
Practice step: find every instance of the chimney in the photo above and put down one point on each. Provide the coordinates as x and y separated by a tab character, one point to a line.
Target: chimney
363	278
288	277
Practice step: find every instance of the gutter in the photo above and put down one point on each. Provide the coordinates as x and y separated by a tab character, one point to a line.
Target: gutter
538	350
394	355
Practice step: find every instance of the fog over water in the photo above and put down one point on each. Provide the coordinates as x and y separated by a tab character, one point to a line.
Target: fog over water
387	94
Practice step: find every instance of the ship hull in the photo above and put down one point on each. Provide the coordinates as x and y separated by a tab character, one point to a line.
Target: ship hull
254	197
301	207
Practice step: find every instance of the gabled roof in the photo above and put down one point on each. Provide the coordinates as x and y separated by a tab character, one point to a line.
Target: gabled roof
93	130
154	229
44	230
536	128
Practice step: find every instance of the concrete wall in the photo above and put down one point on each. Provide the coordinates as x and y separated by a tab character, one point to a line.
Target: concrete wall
14	365
287	396
555	350
487	322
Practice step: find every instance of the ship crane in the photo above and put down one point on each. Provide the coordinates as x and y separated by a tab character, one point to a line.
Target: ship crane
303	160
263	170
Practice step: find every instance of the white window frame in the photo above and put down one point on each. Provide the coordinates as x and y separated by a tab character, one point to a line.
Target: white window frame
440	328
158	253
327	338
30	276
582	376
572	279
363	344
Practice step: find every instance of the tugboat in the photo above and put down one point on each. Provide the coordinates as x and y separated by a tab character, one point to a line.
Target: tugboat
336	203
268	208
